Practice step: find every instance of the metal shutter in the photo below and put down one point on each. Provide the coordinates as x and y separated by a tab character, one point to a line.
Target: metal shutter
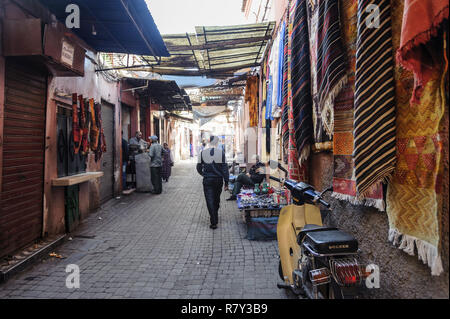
23	156
107	180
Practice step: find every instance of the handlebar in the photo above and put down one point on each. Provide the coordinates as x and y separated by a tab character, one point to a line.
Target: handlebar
324	203
275	179
302	190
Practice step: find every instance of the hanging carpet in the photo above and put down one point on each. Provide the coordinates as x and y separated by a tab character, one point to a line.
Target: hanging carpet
413	193
374	109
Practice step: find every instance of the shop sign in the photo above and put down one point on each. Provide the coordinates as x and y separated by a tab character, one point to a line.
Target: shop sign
67	53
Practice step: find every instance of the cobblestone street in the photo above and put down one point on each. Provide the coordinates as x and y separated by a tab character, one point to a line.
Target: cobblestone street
158	246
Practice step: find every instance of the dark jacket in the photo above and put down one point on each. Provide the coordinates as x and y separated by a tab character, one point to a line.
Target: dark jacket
254	175
212	163
125	155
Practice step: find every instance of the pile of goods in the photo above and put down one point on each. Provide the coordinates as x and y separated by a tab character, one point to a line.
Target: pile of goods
261	197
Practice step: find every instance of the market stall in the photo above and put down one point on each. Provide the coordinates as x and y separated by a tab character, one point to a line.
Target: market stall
260	207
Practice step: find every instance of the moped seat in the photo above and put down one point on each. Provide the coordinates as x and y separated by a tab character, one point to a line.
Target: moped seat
331	242
311	228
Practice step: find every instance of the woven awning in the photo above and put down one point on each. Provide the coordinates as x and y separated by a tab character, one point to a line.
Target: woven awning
212	51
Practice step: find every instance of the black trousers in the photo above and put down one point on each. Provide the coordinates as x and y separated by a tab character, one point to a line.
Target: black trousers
212	188
156	179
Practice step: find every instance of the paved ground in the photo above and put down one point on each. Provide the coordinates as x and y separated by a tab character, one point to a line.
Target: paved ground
158	246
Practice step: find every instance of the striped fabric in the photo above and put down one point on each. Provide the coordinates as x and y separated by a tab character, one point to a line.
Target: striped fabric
374	114
301	82
331	73
284	105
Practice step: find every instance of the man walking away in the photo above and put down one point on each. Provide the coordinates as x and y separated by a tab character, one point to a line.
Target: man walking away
155	154
214	169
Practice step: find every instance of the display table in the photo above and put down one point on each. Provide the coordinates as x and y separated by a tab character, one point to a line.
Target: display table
260	215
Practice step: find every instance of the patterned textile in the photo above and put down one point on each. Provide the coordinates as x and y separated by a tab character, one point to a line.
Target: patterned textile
344	184
301	82
294	170
328	69
412	195
274	74
374	110
251	96
281	65
411	54
284	104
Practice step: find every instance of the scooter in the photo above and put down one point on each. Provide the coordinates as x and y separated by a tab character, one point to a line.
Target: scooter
316	261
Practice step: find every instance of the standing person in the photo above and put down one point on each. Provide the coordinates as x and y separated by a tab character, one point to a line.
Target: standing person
155	154
137	140
167	163
256	176
214	169
125	162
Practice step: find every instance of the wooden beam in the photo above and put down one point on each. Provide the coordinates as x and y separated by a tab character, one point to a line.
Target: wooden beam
219	44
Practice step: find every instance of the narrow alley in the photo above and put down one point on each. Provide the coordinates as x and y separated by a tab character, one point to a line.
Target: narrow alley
156	246
322	124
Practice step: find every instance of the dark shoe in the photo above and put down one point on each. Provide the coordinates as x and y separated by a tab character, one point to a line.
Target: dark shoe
213	226
232	198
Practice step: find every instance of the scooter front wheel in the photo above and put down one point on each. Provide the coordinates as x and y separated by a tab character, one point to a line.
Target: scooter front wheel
280	270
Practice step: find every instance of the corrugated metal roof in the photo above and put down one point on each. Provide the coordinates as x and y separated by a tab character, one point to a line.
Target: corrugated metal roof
166	92
120	26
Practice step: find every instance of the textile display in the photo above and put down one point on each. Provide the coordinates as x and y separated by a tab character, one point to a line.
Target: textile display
295	171
251	97
374	107
101	145
284	104
281	66
344	184
301	82
328	67
269	98
412	194
273	73
411	53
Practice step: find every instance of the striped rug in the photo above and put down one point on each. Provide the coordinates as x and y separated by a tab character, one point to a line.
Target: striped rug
344	184
374	113
328	67
301	81
284	104
331	64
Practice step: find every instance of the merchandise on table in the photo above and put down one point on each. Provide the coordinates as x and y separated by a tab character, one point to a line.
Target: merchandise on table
270	199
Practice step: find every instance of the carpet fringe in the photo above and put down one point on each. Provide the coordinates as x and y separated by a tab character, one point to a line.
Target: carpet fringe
370	202
304	155
426	252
